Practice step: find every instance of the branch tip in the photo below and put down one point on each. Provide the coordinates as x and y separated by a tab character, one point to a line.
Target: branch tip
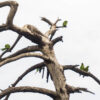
72	89
46	20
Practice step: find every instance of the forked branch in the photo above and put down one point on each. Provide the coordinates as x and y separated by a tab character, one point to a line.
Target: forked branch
57	21
51	32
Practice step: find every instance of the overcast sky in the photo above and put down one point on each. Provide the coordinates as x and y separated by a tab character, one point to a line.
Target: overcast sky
81	44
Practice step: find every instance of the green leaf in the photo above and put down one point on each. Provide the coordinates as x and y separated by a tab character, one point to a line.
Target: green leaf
7	46
86	69
82	67
65	23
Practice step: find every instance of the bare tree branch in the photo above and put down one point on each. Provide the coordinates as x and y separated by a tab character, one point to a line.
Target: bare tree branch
51	31
22	56
60	27
3	27
53	28
18	38
56	40
46	20
9	50
13	5
57	21
81	72
39	65
72	89
69	66
36	38
33	30
52	34
42	64
33	35
47	92
24	50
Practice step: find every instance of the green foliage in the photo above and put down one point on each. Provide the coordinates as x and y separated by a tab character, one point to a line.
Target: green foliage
82	67
7	46
65	23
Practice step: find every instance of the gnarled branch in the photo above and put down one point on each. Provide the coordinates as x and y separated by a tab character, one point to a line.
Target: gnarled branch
46	20
47	92
24	50
81	72
56	40
35	36
22	56
53	27
13	5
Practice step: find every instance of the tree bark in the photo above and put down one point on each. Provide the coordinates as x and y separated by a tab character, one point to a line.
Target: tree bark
56	72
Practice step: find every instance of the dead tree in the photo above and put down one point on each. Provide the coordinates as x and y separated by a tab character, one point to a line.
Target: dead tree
44	44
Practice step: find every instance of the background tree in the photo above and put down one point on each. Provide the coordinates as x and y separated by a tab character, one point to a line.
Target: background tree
44	44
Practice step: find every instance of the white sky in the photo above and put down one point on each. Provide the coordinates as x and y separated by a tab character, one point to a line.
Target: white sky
81	44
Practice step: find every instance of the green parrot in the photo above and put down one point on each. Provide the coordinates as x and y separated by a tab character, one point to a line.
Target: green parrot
65	23
86	69
7	46
82	67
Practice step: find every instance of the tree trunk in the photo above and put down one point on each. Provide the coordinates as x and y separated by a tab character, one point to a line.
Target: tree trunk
56	72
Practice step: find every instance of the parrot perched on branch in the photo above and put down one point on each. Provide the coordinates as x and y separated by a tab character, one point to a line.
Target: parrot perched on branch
82	67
